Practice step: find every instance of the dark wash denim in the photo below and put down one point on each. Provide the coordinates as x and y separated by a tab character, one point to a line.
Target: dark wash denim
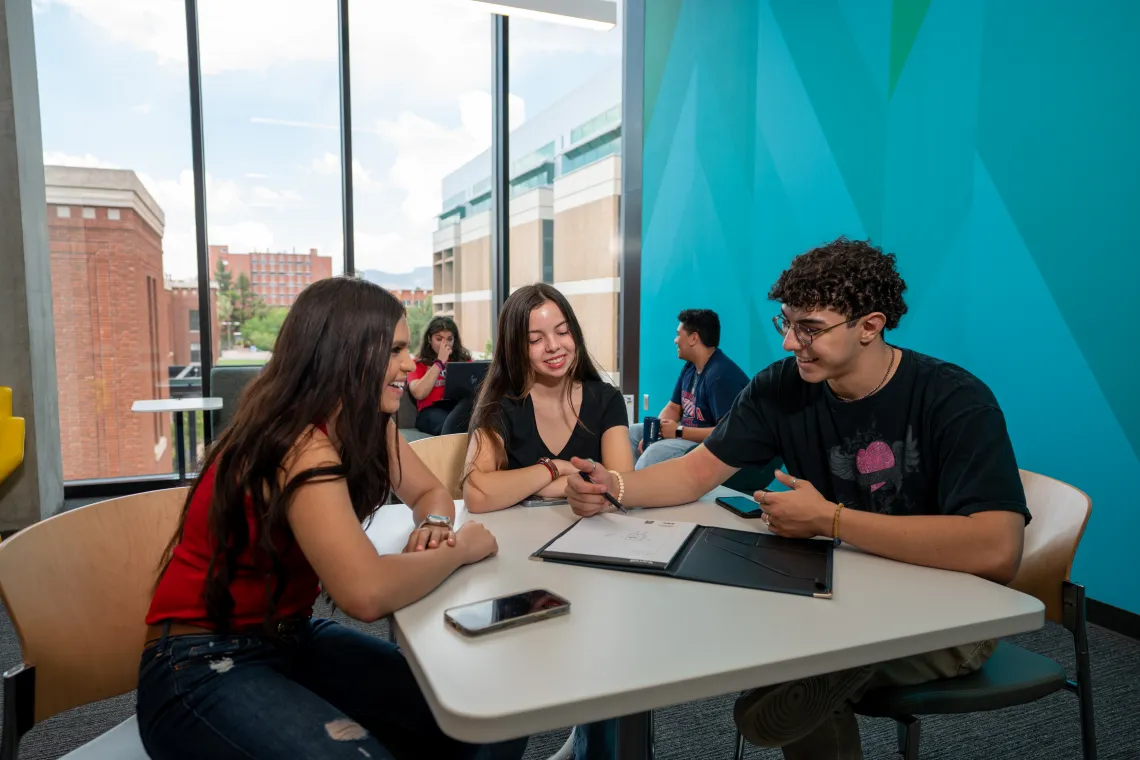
325	691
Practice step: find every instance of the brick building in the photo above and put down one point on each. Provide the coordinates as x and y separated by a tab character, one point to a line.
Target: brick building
111	310
411	298
276	277
185	322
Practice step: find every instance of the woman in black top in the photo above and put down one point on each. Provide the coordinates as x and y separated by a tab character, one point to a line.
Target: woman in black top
541	403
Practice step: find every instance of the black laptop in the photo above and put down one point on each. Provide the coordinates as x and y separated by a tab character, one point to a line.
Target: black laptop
463	379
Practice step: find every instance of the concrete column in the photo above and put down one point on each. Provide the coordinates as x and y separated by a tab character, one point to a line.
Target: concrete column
27	333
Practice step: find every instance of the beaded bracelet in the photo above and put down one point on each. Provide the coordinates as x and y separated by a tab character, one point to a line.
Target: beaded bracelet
621	484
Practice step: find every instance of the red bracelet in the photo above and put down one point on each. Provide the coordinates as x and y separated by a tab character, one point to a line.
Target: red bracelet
548	463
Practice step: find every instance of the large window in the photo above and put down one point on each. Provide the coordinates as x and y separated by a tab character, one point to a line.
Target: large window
565	171
271	114
421	98
116	136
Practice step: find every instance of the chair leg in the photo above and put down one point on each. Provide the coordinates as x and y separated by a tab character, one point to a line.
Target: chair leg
1074	619
739	755
909	734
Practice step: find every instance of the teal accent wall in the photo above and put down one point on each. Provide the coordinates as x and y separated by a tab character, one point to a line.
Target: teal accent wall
993	146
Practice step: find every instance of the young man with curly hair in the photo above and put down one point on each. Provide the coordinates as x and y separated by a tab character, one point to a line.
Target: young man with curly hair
896	453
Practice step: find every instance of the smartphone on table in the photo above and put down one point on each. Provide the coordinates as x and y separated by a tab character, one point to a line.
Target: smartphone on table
479	618
741	506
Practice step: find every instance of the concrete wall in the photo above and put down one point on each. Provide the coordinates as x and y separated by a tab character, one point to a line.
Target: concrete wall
27	342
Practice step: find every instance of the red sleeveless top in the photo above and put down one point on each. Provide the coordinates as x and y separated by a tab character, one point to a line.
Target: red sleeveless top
181	594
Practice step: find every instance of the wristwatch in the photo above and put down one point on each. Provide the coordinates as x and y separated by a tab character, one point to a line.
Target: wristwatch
436	521
680	432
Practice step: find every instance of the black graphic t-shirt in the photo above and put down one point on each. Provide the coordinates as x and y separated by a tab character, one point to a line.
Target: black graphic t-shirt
932	441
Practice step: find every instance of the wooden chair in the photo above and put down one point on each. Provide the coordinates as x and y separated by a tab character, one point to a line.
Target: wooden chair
77	587
1012	675
444	455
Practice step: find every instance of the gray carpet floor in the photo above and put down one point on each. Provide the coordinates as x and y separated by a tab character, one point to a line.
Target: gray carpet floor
1047	730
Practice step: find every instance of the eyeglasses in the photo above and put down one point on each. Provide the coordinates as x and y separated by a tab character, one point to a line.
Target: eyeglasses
805	335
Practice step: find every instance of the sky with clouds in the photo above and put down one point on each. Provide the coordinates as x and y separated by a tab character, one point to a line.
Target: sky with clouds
114	93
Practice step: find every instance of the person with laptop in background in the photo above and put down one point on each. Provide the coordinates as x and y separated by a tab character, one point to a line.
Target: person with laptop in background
896	453
441	345
708	384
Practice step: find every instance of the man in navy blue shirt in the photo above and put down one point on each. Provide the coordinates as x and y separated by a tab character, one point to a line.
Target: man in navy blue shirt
704	393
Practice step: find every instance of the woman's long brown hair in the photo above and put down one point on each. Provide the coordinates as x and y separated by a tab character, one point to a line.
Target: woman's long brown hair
443	322
510	374
331	357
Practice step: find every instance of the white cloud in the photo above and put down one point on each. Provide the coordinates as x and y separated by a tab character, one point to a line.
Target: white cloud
59	158
328	165
142	109
266	197
387	251
243	236
290	123
435	46
256	175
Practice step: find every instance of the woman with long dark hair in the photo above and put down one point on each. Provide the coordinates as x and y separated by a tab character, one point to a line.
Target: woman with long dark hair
441	346
542	402
235	665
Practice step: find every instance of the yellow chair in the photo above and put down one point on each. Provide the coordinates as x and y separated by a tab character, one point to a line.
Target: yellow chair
77	587
11	436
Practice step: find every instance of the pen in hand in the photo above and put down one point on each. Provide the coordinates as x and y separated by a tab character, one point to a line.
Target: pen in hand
586	477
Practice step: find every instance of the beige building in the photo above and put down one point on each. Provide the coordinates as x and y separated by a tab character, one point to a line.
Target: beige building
564	220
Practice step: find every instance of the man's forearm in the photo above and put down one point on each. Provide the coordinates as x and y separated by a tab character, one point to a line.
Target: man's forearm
696	434
675	481
950	542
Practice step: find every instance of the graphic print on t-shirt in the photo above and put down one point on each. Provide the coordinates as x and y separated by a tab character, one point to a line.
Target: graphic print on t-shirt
876	466
441	380
690	412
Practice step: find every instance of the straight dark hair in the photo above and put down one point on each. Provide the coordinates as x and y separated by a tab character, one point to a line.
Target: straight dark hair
704	322
510	374
438	324
331	357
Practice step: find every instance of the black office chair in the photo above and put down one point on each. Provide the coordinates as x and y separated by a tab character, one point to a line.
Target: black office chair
1012	675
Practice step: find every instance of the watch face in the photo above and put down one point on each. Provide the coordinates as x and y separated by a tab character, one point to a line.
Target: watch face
438	520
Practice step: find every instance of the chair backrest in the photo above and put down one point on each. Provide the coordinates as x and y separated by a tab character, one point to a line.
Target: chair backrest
444	455
77	587
1060	513
228	383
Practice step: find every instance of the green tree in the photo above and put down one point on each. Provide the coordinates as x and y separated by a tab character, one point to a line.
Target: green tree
418	318
246	303
261	331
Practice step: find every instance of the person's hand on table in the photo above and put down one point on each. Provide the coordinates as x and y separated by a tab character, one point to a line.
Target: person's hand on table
669	429
801	512
429	537
586	499
476	542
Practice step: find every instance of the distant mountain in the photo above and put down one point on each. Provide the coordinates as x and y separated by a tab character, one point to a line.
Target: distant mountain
420	277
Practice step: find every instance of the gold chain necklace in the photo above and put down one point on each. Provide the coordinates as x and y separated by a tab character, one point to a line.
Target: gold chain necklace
877	387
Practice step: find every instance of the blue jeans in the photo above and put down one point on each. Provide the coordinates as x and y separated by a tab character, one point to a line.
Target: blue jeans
659	451
325	691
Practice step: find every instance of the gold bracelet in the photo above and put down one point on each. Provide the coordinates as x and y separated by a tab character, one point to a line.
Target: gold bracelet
835	524
621	484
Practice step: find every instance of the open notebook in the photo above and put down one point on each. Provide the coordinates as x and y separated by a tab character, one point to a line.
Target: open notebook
695	552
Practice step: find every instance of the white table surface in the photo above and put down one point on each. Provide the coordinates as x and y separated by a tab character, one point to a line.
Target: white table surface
634	642
208	404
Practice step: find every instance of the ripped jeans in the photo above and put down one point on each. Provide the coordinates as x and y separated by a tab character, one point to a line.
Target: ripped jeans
325	691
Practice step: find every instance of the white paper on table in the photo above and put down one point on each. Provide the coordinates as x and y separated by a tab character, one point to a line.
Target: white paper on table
633	540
